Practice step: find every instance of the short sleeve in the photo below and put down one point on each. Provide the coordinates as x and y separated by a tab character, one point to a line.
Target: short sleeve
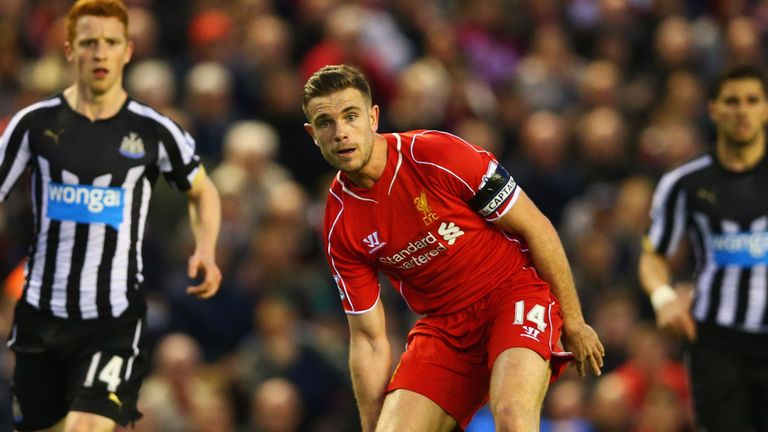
176	157
668	217
358	286
355	278
14	153
467	171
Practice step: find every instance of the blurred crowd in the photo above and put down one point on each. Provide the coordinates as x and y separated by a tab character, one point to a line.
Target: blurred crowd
586	102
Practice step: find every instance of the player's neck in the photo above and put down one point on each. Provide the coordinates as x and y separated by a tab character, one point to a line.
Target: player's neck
740	158
371	173
95	107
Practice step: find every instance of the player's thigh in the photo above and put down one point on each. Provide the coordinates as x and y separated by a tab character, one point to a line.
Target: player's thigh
39	376
78	421
717	385
454	380
58	427
405	411
528	317
519	380
105	376
39	396
758	394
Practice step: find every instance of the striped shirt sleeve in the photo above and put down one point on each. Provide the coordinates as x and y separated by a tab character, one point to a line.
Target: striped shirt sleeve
176	154
14	153
669	210
668	218
177	159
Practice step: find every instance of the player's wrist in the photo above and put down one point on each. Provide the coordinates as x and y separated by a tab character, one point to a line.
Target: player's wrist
577	321
662	296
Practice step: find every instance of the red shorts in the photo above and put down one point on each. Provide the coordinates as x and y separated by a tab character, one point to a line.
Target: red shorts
449	358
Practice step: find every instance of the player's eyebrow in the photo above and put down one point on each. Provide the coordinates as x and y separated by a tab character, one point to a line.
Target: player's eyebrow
324	115
321	116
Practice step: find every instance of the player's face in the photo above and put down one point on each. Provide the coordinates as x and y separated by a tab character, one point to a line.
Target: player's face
343	124
740	111
99	53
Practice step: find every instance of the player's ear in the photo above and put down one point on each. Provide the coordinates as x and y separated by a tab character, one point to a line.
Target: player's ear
311	131
711	109
68	50
128	52
374	117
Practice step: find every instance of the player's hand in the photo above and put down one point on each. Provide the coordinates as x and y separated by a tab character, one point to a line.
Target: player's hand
675	318
582	341
206	267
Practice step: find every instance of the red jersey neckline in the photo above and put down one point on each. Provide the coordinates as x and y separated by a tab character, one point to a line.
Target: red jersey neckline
386	176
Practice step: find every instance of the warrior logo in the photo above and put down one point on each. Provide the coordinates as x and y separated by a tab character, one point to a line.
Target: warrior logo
450	232
373	242
530	332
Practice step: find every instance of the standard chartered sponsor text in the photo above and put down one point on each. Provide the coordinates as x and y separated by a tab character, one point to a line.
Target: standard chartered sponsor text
756	243
95	198
414	254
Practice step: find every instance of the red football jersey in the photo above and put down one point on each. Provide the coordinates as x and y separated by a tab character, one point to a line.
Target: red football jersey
415	225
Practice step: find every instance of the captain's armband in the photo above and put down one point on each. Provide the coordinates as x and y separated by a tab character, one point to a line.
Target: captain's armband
497	187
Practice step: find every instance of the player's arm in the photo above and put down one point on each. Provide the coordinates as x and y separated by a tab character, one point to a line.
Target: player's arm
546	250
205	219
672	310
668	222
15	153
369	363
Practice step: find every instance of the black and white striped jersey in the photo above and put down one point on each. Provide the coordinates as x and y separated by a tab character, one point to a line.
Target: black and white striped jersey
91	185
726	217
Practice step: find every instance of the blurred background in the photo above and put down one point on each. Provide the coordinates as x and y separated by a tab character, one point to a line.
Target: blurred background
586	102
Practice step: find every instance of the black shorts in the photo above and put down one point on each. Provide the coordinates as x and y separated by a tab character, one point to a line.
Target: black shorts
729	380
62	365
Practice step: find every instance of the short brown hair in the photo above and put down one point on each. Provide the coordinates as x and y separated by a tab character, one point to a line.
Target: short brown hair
334	78
740	72
101	8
